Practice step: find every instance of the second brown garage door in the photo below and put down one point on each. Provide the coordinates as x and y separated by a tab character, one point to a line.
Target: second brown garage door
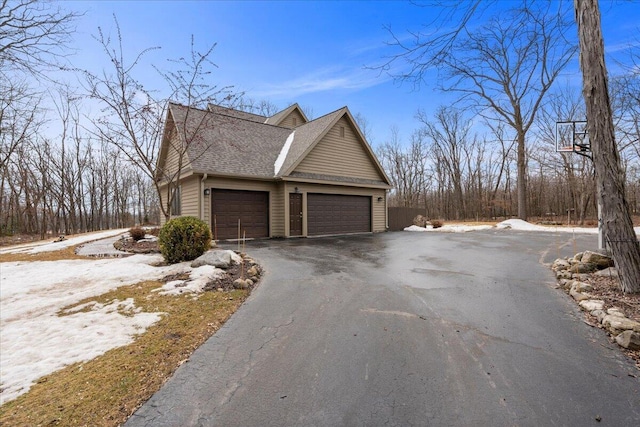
250	207
338	214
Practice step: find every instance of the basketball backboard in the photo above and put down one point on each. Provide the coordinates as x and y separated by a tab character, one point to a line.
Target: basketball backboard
573	137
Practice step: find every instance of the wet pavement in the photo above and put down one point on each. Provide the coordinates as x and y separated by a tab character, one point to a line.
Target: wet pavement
404	329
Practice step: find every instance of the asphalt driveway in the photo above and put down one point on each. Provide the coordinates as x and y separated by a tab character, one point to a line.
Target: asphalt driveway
404	329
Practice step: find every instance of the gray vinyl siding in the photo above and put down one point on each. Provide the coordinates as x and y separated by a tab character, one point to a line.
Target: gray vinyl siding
288	121
340	156
190	192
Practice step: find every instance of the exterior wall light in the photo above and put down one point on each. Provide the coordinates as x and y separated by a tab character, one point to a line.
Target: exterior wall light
207	191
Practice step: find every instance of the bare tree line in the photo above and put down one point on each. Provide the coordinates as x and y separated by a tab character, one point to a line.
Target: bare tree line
455	174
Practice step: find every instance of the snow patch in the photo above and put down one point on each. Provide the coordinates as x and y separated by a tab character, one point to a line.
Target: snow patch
36	341
195	284
518	224
450	228
283	154
49	246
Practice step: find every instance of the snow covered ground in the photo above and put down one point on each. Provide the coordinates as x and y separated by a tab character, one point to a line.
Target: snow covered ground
49	245
513	224
35	341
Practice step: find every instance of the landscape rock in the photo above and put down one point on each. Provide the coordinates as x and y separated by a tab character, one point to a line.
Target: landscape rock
629	340
583	267
599	314
420	221
242	283
578	296
607	272
599	260
580	276
217	258
563	274
617	324
578	257
614	311
560	264
581	286
253	271
592	304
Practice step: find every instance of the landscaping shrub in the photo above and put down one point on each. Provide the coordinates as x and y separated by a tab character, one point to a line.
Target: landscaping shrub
137	233
184	239
436	224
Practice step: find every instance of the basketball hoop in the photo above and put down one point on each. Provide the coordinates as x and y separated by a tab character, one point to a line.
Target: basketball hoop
573	137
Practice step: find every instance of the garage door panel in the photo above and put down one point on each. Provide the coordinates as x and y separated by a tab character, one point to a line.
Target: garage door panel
338	214
250	207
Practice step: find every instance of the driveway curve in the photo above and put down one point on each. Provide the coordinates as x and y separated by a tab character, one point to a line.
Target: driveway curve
404	329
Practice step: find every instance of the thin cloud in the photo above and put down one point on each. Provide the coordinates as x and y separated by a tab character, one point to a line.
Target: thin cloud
328	79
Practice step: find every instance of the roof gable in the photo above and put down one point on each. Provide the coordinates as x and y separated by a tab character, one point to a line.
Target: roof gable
320	141
279	118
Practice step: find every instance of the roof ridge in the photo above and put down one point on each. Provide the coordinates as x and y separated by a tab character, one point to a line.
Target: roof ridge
325	115
228	115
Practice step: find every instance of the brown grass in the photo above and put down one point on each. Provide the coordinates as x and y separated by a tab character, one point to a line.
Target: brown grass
66	253
105	391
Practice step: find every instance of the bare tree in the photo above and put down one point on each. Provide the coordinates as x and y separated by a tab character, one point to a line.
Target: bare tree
617	224
503	67
450	144
134	117
406	167
33	34
263	107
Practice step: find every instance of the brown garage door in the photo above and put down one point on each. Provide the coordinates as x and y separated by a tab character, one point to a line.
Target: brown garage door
338	214
250	207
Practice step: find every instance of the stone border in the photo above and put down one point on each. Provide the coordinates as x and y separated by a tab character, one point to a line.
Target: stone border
569	273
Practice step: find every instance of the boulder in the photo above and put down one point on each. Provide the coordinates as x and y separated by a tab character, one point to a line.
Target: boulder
217	258
578	257
618	324
581	286
583	267
599	260
591	304
420	221
579	296
242	283
560	264
615	311
607	272
253	271
580	276
563	274
599	314
629	340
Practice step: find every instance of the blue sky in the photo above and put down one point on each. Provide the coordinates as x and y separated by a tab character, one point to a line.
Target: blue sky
313	53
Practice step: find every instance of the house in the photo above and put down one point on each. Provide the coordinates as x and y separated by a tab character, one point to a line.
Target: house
278	176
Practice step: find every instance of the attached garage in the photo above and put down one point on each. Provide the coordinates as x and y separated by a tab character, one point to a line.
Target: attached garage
250	207
338	214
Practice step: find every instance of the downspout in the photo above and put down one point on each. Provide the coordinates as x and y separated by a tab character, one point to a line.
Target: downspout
201	197
386	209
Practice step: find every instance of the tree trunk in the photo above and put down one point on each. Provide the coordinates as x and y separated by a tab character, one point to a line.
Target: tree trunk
522	178
617	224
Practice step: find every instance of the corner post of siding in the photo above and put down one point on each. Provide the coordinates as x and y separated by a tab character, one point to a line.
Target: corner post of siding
201	198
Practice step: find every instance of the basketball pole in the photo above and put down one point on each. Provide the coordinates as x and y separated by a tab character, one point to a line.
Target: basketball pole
582	150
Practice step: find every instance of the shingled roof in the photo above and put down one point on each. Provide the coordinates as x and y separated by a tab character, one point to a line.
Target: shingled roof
229	145
222	141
